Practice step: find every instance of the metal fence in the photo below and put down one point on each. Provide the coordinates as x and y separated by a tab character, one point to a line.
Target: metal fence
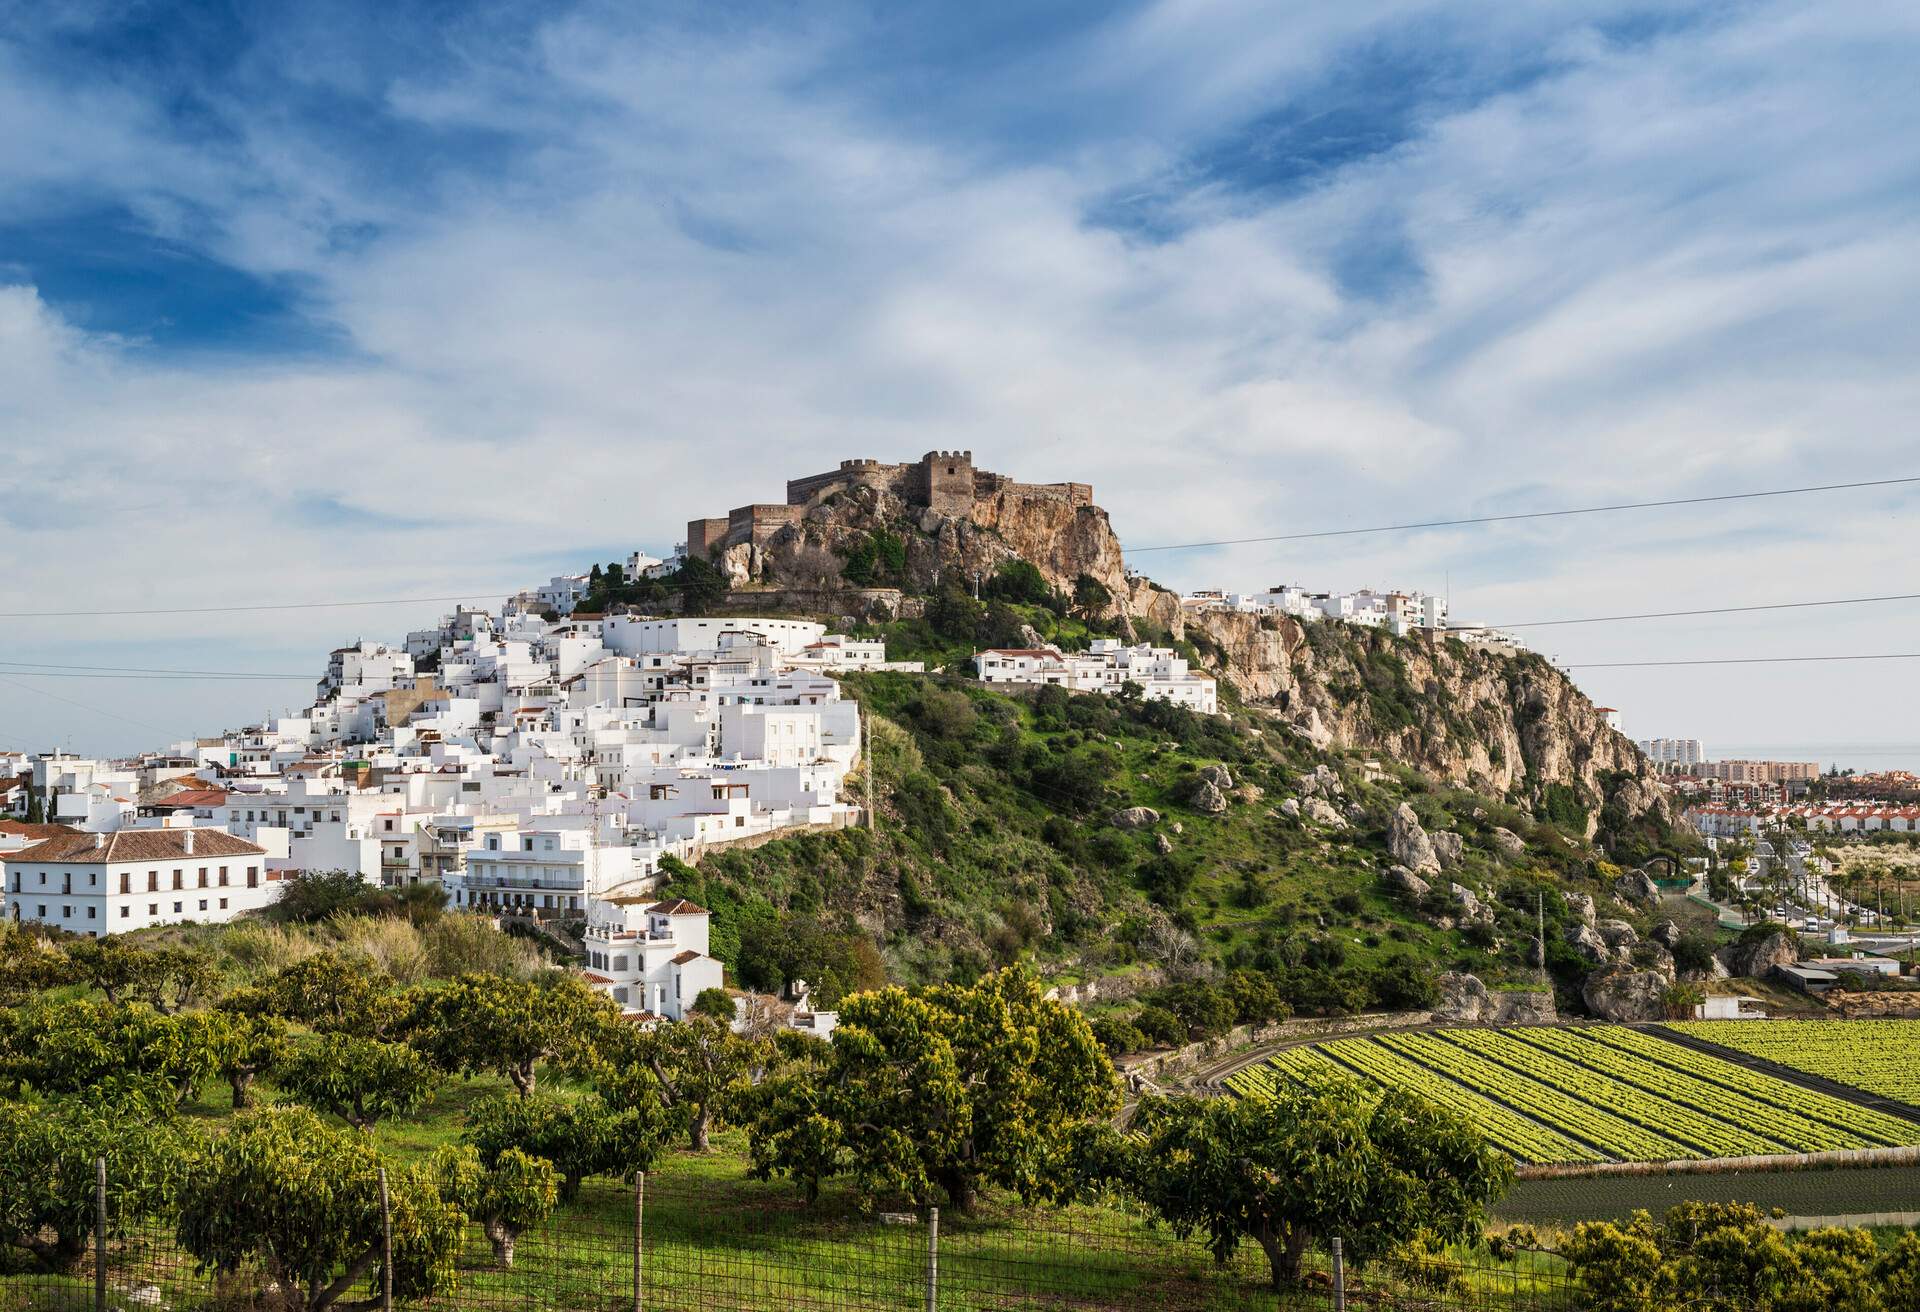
705	1243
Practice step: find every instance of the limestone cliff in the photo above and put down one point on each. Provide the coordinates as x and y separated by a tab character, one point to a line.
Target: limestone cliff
1498	722
1061	539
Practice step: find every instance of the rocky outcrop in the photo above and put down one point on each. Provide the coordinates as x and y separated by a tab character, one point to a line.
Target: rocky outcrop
1587	942
1322	782
1470	908
1625	995
1507	843
1635	886
1321	812
1465	1000
1447	846
1403	881
1217	775
1409	842
1208	799
1617	933
1875	1006
1581	905
1134	817
1756	959
1666	934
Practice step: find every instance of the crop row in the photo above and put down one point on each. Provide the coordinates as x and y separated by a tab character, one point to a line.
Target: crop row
1704	1134
1783	1130
1876	1127
1506	1129
1880	1056
1612	1134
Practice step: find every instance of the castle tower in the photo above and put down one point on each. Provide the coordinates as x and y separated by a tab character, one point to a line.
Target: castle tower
947	478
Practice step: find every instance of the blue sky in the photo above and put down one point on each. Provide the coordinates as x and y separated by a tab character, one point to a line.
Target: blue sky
334	302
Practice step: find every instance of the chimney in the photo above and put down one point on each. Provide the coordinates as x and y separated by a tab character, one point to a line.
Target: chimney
99	839
188	839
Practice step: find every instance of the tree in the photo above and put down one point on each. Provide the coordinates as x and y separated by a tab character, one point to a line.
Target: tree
774	952
792	1133
303	1199
700	586
29	965
1310	1164
245	1047
1020	582
951	1088
508	1026
714	1004
332	990
316	895
698	1065
360	1080
1091	597
47	1156
36	813
508	1198
579	1136
94	1047
169	979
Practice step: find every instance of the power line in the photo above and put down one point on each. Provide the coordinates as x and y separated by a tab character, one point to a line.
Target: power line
1743	660
1532	514
60	669
1711	610
111	715
222	610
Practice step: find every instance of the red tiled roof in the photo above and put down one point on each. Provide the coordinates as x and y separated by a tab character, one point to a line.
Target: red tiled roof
136	845
25	830
682	958
678	907
188	798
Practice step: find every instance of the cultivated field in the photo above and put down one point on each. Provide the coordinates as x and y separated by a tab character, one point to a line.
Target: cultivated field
1880	1056
1607	1093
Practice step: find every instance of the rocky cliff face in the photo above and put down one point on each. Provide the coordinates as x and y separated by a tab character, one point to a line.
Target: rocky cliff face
1495	722
1063	541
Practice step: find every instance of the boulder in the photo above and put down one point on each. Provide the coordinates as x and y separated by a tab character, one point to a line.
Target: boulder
1626	995
1176	829
1447	845
1463	998
1291	808
1208	799
1134	817
1617	933
1756	959
1635	886
1321	812
1162	844
1666	934
1249	792
1218	776
1463	897
1409	842
1715	969
1581	905
1523	1007
1507	843
1323	782
1402	880
1591	947
1652	956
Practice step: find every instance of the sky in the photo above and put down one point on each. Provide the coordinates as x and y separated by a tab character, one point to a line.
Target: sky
362	301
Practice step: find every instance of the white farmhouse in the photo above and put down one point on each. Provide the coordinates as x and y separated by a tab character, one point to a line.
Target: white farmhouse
650	957
97	884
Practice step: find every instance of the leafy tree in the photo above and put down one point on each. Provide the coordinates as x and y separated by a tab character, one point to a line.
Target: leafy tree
952	1088
245	1047
579	1136
86	1046
332	990
791	1132
508	1198
715	1004
168	979
360	1080
303	1199
506	1026
1091	597
1310	1164
1020	582
29	965
315	895
774	952
700	586
47	1156
698	1066
36	812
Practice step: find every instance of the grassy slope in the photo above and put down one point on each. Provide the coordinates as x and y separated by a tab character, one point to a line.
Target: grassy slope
987	850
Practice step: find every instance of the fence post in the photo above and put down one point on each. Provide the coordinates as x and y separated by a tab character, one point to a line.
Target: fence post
386	1246
639	1219
1339	1277
933	1259
100	1234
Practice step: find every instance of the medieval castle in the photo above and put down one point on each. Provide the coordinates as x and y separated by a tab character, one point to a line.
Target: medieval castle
944	482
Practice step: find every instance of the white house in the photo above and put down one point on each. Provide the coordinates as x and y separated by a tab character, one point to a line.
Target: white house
96	884
1104	667
650	957
544	871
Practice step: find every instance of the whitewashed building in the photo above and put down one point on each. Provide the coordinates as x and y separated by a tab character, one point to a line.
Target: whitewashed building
110	883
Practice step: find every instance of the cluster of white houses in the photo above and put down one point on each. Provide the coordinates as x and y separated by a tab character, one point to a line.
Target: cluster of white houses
533	768
1399	613
1107	666
1832	818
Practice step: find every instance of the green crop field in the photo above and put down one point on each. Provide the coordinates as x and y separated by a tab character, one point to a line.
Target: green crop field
1599	1093
1880	1056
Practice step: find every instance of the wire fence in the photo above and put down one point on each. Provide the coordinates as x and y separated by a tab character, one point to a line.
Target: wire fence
706	1244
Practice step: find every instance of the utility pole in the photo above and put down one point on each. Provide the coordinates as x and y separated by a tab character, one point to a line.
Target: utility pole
1540	929
866	745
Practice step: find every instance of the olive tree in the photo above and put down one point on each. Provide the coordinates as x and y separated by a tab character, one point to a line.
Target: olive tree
360	1080
489	1023
47	1163
1312	1163
510	1196
302	1199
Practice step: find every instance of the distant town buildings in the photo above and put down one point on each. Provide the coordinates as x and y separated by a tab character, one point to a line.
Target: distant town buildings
1399	613
1757	772
1676	752
1106	666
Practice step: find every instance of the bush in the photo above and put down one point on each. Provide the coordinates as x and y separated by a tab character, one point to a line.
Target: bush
464	944
1159	1026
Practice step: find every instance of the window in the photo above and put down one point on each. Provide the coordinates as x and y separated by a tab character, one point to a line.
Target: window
176	880
89	913
176	908
203	876
126	881
203	904
153	908
66	913
153	881
123	912
43	912
223	904
223	876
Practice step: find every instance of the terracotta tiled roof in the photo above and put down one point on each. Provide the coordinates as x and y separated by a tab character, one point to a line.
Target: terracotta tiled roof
678	907
25	830
682	958
188	798
137	845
